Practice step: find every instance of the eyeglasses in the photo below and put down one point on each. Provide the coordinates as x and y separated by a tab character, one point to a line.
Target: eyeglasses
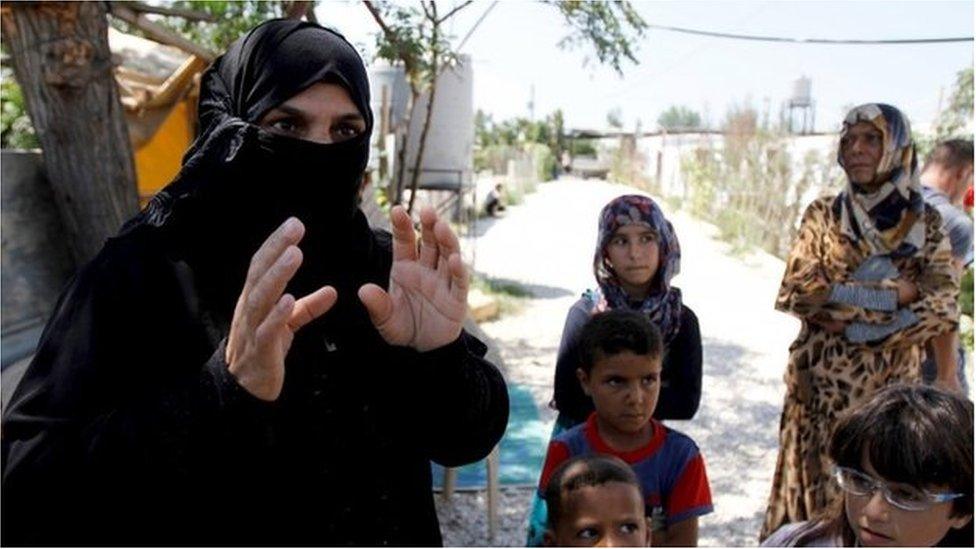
905	497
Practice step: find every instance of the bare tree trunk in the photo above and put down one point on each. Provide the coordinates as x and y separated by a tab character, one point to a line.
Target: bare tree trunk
401	177
418	162
62	61
434	69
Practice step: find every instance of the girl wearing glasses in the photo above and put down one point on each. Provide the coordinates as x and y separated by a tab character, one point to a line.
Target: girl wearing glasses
904	462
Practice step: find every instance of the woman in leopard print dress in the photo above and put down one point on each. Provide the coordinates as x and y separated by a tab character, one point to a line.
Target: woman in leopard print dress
871	277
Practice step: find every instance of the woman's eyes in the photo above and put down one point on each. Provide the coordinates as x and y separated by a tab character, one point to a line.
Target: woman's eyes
297	127
285	125
346	131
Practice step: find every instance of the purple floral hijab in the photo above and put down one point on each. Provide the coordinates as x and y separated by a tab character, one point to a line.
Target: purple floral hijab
663	304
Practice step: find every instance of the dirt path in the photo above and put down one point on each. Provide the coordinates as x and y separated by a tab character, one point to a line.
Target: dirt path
546	245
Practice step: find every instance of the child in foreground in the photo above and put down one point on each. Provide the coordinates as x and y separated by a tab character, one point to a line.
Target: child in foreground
904	462
595	501
620	370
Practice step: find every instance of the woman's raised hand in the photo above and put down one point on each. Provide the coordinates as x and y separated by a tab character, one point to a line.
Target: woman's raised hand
428	294
265	321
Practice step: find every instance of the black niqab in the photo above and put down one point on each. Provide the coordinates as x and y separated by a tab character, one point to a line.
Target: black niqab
239	182
128	428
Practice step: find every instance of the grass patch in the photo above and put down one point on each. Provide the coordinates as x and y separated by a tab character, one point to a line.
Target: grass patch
493	286
510	296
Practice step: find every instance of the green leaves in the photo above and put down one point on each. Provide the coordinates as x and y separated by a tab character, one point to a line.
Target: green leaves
16	130
415	39
611	28
233	20
952	121
679	118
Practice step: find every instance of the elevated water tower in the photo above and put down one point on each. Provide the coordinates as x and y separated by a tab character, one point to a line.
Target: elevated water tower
800	107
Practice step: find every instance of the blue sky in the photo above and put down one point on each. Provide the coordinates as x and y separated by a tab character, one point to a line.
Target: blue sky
514	50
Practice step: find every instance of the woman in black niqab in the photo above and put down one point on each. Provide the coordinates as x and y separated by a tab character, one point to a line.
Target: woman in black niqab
155	413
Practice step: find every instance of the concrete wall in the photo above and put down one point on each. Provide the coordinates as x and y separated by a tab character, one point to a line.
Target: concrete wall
35	262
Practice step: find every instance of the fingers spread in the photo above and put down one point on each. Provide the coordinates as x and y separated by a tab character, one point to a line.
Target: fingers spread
404	239
312	306
287	234
266	290
268	331
447	241
428	242
378	304
459	278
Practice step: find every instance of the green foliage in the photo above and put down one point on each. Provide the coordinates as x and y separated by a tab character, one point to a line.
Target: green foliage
952	121
627	164
966	293
679	118
16	130
233	18
496	286
415	39
582	147
544	161
497	143
610	27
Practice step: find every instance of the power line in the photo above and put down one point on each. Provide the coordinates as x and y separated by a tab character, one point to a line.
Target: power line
809	40
478	22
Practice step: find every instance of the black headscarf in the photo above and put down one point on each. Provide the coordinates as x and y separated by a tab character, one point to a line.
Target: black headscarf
239	182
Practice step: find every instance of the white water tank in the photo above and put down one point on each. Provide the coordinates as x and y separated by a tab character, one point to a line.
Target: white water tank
802	96
448	154
389	80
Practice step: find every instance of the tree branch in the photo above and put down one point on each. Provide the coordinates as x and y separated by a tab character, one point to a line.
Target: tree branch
158	32
456	9
390	36
192	15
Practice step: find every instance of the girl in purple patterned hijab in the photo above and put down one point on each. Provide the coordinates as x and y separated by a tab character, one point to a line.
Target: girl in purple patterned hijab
637	255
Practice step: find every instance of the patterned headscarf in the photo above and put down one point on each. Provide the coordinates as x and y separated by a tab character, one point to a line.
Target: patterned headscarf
889	217
663	303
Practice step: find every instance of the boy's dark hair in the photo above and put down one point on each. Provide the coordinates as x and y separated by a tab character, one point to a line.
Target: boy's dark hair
617	331
582	471
914	434
951	154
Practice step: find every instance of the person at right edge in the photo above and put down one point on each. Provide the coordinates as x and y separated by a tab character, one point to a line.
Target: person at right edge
946	176
872	279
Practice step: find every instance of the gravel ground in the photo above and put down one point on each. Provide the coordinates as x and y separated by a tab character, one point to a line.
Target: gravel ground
546	245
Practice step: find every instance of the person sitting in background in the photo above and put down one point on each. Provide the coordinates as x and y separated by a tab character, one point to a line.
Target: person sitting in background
595	501
946	178
620	370
493	202
904	462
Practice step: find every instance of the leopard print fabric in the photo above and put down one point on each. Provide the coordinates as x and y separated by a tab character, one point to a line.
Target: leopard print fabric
826	374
